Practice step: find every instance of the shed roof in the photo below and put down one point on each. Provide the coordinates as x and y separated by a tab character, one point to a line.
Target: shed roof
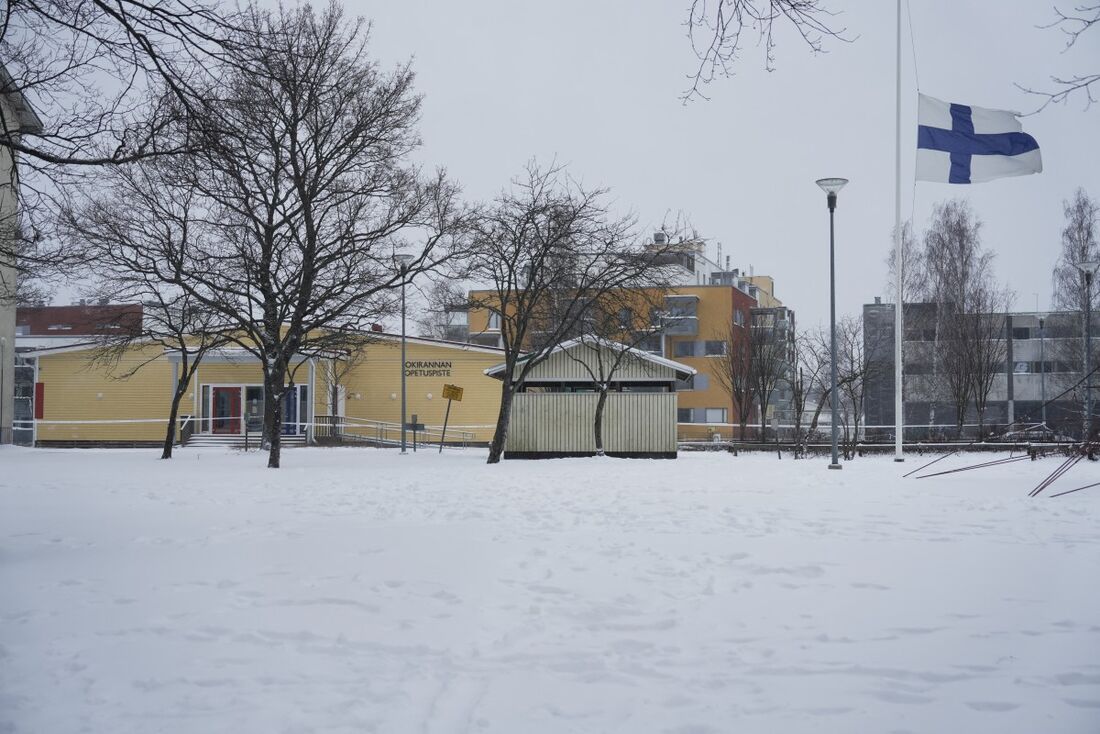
682	370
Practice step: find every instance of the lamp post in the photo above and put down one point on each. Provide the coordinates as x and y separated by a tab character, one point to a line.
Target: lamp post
831	186
1043	369
1087	268
402	263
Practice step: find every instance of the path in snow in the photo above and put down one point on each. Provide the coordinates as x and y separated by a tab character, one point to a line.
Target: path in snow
356	590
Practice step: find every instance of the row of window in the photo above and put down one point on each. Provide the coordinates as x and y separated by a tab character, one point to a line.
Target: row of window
1019	368
701	415
693	382
709	348
1019	333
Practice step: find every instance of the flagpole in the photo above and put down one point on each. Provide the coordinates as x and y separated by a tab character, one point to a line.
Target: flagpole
899	417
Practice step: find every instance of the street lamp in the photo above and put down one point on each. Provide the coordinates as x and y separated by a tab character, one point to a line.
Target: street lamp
831	186
401	262
1088	267
1043	369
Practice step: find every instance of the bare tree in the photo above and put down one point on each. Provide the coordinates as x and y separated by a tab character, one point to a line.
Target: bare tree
1073	24
771	361
92	77
445	300
956	263
734	370
805	381
616	324
716	27
857	367
302	195
550	249
127	235
173	321
1070	289
819	355
985	343
912	266
1079	243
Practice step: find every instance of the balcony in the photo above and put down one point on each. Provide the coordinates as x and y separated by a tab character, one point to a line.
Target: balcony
680	325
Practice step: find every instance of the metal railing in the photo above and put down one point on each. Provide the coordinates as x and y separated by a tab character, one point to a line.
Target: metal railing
341	429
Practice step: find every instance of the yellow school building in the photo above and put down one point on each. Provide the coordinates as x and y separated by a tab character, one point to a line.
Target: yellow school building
74	401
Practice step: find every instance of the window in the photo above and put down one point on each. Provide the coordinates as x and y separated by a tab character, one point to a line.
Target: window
716	415
739	317
1021	332
22	330
702	382
683	415
60	327
626	318
1021	368
686	384
714	348
643	387
494	320
683	349
651	344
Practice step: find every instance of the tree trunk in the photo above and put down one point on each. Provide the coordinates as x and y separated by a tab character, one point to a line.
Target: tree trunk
173	414
273	411
597	426
496	447
763	421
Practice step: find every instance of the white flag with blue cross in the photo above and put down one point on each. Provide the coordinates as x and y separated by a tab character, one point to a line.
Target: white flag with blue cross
961	144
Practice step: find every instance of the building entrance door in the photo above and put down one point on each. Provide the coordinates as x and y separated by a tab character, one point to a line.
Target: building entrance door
226	410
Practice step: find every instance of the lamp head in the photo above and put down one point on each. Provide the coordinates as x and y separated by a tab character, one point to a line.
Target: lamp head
832	186
402	262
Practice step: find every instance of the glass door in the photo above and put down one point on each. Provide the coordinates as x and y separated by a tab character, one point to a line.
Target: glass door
290	412
254	408
226	409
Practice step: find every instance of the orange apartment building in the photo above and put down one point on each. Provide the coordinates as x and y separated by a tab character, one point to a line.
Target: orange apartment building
694	330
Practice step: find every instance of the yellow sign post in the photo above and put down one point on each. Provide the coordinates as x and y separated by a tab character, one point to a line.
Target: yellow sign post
450	393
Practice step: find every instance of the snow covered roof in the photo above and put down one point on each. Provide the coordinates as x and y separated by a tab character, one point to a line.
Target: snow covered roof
43	344
680	368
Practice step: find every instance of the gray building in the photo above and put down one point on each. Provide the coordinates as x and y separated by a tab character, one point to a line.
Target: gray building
1038	359
19	118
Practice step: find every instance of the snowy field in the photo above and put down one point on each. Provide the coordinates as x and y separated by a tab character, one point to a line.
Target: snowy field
359	591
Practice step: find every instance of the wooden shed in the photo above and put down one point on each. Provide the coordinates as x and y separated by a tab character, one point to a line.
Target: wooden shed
553	412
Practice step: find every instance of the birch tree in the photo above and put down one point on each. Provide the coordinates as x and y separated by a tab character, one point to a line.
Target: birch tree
549	250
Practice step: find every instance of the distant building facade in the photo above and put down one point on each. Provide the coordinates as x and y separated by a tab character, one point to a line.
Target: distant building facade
694	328
1040	360
19	118
78	319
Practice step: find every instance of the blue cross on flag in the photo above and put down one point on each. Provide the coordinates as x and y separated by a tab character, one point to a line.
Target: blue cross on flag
960	144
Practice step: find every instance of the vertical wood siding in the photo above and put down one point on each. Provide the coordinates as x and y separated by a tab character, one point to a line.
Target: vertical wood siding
563	422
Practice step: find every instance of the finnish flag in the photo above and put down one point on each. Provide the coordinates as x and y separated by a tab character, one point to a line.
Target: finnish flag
960	144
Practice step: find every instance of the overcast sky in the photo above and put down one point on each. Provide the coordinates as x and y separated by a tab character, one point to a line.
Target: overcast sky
597	85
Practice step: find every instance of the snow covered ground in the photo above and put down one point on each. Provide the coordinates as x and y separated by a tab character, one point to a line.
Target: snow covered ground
357	591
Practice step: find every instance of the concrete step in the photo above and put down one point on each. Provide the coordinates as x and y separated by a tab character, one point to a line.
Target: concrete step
231	441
